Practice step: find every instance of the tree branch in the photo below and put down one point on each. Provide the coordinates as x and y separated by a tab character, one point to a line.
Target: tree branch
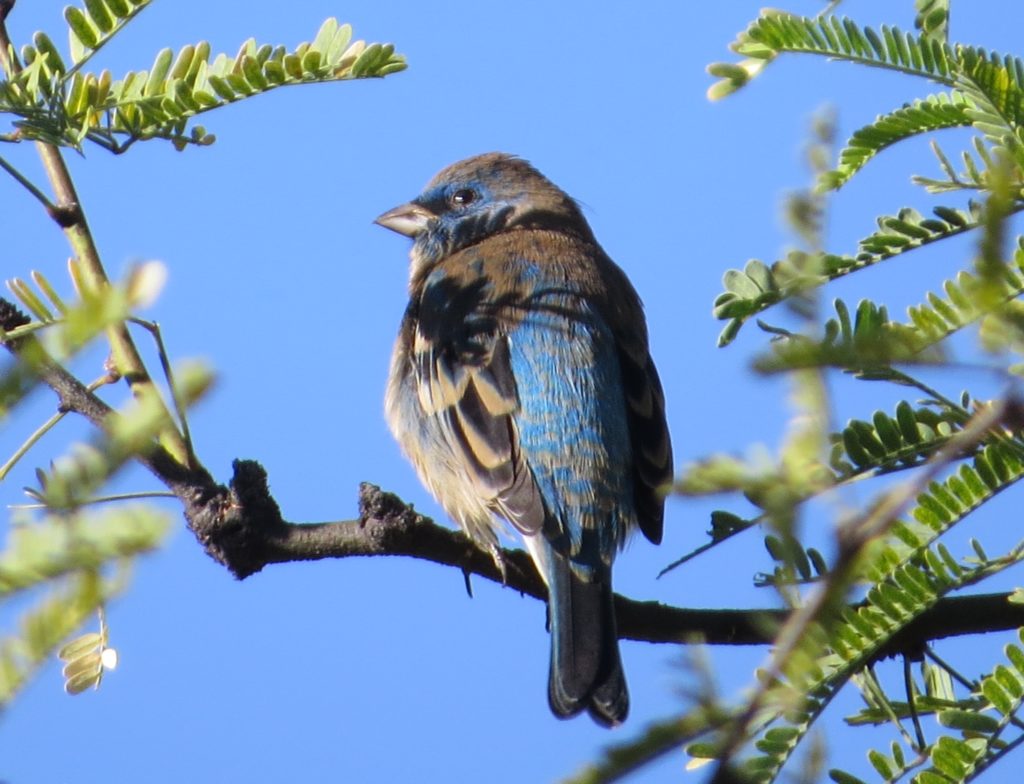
241	527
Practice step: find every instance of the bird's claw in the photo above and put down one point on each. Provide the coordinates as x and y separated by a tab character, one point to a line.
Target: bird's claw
499	563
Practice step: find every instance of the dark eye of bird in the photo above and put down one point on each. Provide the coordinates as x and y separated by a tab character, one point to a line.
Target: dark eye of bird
463	196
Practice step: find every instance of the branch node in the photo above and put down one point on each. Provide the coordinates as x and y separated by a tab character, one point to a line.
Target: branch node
65	215
251	492
377	504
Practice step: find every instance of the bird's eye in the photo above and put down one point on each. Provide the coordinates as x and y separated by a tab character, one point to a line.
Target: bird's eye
463	196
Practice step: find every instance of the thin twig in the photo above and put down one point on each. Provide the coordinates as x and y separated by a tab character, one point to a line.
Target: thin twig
908	682
165	364
27	184
106	499
43	429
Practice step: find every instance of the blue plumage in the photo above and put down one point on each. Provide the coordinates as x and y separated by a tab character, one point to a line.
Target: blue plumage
522	390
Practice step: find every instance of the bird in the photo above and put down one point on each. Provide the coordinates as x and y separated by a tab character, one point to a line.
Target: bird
522	390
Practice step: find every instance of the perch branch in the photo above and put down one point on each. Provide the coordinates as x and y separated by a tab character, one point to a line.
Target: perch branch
241	526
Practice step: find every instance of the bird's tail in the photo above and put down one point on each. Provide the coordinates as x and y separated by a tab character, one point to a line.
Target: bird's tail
586	672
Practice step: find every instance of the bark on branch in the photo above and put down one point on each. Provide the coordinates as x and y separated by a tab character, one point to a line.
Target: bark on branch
241	526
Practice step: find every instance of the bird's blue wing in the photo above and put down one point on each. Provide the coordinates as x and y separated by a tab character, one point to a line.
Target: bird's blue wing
572	424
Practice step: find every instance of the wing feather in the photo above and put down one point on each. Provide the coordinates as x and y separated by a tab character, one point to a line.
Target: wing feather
648	432
473	394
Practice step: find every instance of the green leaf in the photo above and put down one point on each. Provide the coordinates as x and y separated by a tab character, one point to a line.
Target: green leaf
758	287
882	765
47	549
776	32
968	721
842	777
82	31
158	73
99	15
179	86
936	112
325	35
933	18
82	681
82	644
93	26
993	85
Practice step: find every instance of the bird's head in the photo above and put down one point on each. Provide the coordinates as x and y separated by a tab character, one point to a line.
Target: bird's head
477	198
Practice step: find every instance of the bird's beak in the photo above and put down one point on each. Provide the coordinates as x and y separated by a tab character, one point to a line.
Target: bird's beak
409	219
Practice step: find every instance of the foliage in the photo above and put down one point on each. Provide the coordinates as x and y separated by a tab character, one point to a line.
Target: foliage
66	105
65	557
944	455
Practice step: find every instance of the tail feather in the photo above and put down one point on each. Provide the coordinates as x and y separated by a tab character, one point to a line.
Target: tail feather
586	672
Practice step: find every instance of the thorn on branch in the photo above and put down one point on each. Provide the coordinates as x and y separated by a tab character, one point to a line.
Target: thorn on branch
10	317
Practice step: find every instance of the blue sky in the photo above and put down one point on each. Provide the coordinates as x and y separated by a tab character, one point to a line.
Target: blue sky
380	670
